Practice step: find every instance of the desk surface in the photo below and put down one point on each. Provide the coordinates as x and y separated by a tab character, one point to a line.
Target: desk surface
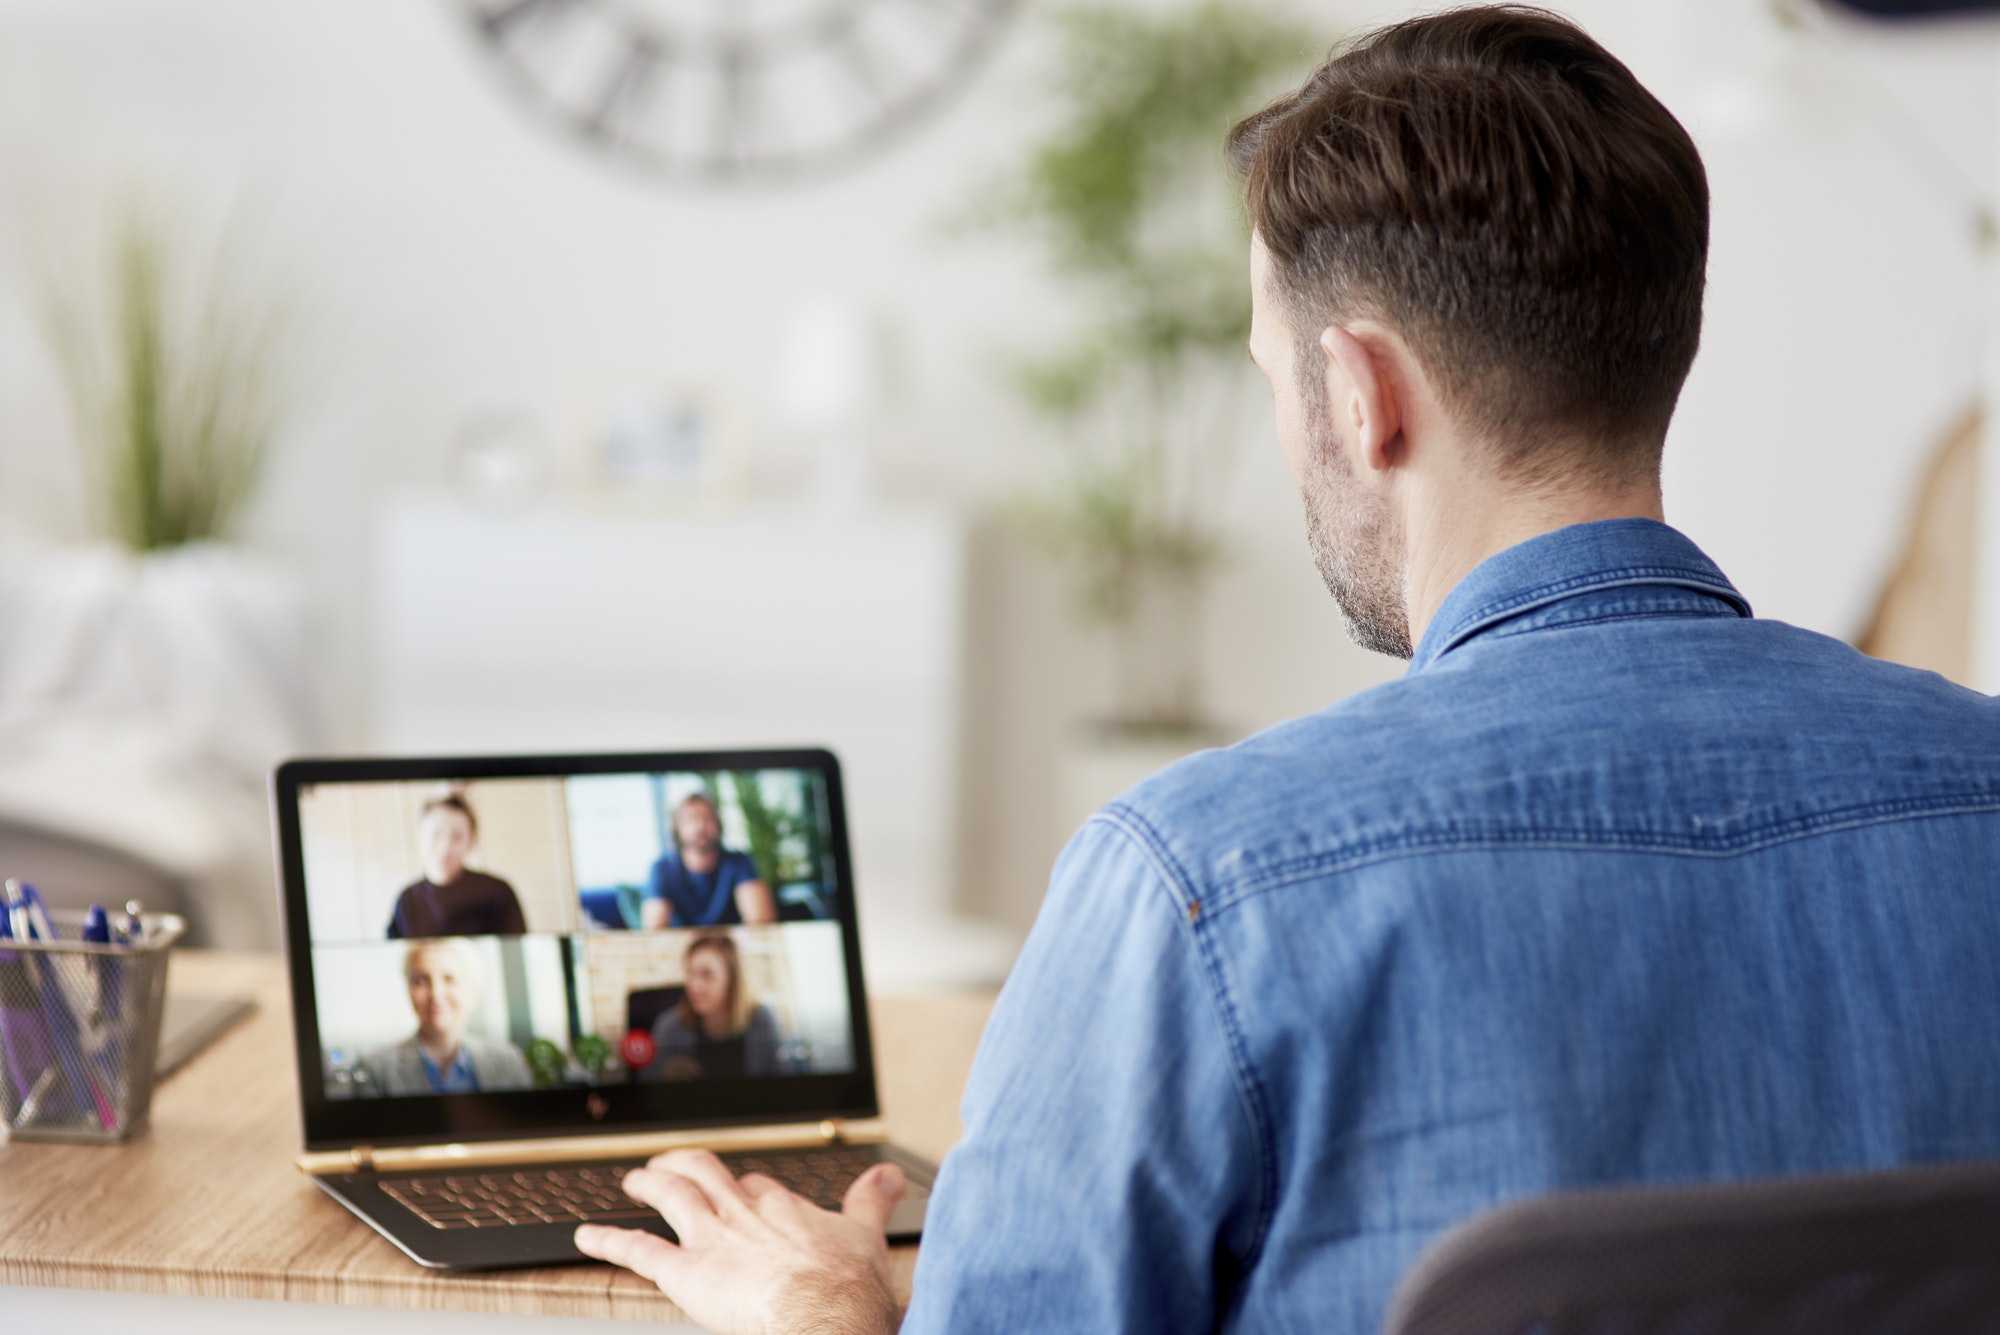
207	1201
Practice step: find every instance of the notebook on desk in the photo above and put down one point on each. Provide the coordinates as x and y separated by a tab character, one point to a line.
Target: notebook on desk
515	978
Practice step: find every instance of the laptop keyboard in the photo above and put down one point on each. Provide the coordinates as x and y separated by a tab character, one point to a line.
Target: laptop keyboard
591	1194
822	1176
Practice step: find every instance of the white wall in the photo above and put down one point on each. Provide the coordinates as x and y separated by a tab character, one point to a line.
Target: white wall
1845	318
455	256
1986	576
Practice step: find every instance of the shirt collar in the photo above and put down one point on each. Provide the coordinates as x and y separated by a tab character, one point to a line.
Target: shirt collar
457	1076
1582	558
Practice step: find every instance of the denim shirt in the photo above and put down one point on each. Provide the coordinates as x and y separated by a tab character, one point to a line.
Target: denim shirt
1616	884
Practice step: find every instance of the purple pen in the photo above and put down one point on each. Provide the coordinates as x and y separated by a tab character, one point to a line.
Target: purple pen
28	1046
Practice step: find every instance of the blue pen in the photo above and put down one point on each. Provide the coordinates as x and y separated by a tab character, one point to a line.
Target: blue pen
110	988
67	1039
64	1031
131	928
37	911
97	932
41	926
13	1045
16	909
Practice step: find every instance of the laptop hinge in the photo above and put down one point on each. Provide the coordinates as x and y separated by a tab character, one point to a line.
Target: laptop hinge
391	1159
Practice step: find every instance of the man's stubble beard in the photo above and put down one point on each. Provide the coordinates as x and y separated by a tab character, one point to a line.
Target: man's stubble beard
1356	538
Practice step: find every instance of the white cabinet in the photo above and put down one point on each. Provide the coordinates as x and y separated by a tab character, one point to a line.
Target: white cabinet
568	629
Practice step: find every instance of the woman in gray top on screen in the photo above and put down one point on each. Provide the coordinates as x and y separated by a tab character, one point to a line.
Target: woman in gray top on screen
444	979
719	1030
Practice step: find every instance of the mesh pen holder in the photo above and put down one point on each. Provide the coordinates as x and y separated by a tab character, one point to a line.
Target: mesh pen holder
79	1029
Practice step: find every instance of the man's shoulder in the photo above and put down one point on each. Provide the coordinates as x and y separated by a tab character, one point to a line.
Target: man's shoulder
1310	781
1220	780
1555	729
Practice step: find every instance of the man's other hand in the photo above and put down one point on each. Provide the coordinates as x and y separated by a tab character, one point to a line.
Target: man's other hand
755	1258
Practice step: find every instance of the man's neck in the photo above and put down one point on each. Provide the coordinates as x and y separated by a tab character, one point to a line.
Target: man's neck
1451	528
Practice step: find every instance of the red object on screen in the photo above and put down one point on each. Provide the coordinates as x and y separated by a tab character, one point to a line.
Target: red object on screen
637	1049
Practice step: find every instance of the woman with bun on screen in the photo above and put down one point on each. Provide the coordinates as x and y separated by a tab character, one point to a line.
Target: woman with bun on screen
451	899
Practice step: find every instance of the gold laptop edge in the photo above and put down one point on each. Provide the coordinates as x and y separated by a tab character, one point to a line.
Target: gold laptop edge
564	1149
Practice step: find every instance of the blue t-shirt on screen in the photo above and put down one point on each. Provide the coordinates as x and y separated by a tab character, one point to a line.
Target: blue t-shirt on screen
701	899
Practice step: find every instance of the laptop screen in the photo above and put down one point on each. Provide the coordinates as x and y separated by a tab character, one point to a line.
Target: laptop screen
504	947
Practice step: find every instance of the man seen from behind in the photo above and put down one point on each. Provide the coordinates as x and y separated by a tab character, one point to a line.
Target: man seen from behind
1616	884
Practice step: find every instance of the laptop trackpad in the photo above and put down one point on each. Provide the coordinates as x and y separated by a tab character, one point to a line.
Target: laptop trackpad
908	1220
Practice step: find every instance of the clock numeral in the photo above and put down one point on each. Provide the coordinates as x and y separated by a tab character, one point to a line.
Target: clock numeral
630	86
861	62
733	100
735	109
501	20
975	14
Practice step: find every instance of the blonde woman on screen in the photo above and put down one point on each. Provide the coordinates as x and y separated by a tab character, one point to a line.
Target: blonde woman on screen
446	983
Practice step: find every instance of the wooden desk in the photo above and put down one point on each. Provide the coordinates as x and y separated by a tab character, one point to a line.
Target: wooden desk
207	1201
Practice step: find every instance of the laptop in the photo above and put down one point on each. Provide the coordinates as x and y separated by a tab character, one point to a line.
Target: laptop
516	978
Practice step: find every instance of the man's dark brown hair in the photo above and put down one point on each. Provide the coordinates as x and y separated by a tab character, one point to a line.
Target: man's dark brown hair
1498	188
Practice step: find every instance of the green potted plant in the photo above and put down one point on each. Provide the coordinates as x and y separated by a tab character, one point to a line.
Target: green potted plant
152	677
1129	200
174	385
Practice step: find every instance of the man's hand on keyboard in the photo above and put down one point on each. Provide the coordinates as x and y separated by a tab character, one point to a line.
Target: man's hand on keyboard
754	1258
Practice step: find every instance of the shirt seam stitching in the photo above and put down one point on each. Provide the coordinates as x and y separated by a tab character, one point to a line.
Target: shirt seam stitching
1391	848
1504	631
1615	577
1140	831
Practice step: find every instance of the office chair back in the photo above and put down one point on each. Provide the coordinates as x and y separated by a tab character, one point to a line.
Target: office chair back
645	1005
1905	1252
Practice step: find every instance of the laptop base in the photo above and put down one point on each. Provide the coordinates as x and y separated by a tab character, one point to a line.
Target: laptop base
492	1218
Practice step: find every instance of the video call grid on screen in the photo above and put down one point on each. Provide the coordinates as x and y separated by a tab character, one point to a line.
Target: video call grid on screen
573	930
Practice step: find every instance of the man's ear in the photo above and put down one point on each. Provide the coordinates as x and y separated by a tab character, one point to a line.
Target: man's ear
1362	397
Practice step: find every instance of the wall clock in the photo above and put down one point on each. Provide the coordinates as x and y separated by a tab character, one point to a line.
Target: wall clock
736	89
